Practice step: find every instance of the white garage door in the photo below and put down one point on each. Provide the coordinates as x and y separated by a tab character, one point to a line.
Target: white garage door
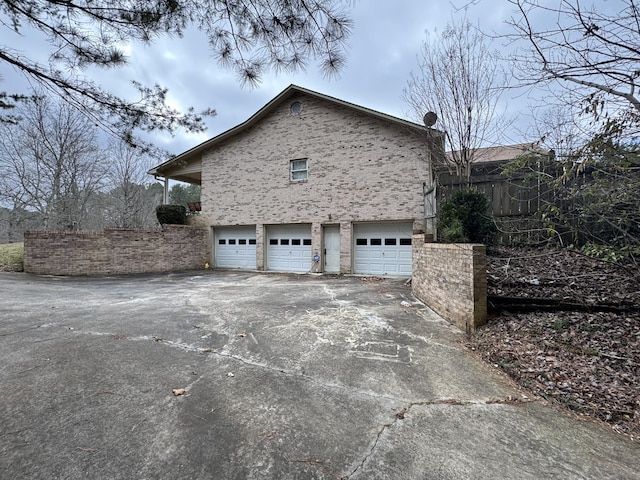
289	248
235	247
383	248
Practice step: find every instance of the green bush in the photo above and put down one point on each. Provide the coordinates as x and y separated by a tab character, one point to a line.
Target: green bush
466	218
171	214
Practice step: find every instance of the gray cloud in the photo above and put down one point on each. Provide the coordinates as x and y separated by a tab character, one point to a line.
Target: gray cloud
382	52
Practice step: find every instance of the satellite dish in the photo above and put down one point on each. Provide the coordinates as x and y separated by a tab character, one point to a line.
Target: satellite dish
430	118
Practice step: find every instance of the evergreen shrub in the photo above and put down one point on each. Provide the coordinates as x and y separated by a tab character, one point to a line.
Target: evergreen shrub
466	217
171	214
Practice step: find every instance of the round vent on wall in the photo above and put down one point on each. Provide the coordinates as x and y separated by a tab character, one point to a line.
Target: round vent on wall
295	108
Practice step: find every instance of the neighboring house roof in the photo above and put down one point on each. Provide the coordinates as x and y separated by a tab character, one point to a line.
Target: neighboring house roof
187	165
503	152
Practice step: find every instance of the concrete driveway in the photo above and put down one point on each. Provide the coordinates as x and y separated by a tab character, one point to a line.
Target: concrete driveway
284	377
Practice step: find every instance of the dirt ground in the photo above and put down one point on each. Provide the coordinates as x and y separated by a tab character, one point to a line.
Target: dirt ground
583	355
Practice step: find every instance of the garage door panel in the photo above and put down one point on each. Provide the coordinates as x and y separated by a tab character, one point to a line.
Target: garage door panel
383	248
369	255
235	247
289	248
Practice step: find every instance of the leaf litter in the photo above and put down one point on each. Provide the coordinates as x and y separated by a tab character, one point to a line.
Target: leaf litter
585	361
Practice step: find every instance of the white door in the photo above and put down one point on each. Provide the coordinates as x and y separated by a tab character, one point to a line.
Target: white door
331	249
289	248
383	248
235	247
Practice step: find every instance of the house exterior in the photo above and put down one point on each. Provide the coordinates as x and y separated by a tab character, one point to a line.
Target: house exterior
311	183
502	153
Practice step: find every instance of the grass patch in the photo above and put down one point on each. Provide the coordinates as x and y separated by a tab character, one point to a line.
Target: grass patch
11	257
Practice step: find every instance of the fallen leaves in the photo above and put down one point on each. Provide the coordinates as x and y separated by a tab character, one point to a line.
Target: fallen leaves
588	362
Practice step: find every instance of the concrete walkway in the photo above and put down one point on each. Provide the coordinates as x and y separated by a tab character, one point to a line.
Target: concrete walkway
283	377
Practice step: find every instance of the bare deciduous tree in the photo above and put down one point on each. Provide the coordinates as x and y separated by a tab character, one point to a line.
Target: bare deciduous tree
459	79
50	162
594	50
130	202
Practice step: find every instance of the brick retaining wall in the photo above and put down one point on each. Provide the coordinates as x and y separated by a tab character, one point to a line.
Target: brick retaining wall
115	251
452	280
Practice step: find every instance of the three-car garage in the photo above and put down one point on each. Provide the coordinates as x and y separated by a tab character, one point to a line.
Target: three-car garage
376	248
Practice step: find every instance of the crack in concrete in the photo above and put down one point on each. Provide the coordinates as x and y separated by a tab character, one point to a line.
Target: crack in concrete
315	381
25	330
401	413
278	370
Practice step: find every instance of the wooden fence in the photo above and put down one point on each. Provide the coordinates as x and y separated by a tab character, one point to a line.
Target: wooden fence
540	204
516	199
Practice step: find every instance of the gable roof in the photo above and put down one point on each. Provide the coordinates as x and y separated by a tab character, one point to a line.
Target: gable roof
195	152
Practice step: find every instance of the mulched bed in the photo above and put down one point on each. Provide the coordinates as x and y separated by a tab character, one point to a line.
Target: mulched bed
585	361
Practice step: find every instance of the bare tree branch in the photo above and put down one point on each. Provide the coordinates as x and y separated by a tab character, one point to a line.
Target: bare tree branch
595	47
459	79
248	36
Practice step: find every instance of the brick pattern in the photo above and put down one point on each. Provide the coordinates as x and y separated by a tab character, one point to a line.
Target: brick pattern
452	280
360	169
115	251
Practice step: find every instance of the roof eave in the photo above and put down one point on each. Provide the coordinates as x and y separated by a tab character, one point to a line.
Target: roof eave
198	149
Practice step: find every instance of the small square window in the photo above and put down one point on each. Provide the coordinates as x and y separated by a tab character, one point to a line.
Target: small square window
232	241
390	241
361	241
405	241
222	241
242	241
306	241
284	241
376	241
273	241
295	241
252	241
298	169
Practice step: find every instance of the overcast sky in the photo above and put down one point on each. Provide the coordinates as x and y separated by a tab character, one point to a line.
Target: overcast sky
382	52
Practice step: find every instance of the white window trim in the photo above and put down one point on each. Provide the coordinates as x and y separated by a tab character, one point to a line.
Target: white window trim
293	171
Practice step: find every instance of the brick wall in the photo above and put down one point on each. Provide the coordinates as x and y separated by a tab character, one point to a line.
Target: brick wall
452	280
360	169
115	251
